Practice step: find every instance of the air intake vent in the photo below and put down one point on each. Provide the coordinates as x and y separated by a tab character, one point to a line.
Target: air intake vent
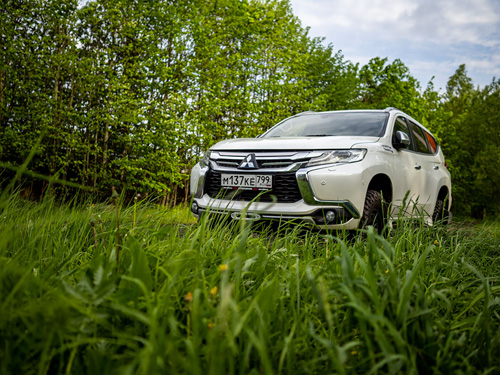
285	189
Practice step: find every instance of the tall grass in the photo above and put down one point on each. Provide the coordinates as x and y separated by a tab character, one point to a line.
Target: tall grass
218	298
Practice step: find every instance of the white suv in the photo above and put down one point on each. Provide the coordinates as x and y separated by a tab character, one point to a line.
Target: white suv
338	169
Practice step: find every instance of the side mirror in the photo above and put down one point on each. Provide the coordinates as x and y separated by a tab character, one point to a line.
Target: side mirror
401	140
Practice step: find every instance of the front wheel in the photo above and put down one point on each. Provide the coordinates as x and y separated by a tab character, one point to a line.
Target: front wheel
373	211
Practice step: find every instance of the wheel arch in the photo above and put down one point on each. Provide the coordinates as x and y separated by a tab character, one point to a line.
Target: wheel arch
382	183
444	195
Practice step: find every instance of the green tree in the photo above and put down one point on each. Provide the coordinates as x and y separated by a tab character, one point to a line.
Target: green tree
130	94
386	84
332	83
470	135
36	66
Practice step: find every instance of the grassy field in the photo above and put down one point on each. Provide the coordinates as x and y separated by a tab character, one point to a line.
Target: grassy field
140	290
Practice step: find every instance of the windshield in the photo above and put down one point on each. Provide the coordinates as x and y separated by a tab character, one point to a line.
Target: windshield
369	124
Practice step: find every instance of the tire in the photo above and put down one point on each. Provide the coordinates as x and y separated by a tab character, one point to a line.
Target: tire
440	215
373	212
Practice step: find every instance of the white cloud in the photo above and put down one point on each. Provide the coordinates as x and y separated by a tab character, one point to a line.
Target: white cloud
451	22
435	34
352	16
490	67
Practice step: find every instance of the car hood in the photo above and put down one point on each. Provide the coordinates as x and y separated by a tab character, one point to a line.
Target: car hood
291	143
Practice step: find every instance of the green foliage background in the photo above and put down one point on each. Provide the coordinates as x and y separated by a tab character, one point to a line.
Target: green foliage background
129	94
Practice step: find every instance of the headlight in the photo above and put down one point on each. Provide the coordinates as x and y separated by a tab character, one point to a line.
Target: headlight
205	160
338	156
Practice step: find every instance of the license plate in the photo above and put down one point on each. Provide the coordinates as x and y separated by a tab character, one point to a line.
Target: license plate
246	181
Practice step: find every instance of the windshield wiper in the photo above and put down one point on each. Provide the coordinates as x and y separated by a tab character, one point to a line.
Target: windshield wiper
319	135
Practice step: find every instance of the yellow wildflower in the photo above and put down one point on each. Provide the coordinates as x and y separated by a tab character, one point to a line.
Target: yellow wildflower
386	271
436	242
188	297
223	267
354	352
210	325
213	291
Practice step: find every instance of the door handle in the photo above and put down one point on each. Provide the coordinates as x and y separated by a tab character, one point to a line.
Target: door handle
418	167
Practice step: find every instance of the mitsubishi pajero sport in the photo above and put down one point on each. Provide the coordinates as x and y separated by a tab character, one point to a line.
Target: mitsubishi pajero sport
338	169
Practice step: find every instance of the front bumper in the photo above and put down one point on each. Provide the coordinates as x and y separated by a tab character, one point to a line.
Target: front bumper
314	208
297	212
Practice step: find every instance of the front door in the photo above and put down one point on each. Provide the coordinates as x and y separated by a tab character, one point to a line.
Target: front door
411	195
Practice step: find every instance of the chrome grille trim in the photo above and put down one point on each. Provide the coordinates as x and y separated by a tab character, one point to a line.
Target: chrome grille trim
271	162
223	168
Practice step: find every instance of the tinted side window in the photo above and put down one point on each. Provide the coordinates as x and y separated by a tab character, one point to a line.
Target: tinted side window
420	145
400	125
431	141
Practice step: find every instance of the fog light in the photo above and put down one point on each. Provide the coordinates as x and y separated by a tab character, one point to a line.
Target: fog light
330	216
194	208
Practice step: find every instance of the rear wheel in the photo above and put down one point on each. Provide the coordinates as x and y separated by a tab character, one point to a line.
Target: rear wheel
373	211
440	213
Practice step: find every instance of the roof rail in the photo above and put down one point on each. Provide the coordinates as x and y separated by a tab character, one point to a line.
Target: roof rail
391	108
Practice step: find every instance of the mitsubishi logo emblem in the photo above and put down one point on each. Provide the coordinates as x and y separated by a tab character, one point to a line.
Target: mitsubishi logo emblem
249	162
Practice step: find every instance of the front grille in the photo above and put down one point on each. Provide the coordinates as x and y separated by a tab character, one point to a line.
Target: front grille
285	189
262	163
278	161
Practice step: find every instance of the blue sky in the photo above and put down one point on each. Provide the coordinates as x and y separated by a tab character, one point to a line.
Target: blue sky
431	37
